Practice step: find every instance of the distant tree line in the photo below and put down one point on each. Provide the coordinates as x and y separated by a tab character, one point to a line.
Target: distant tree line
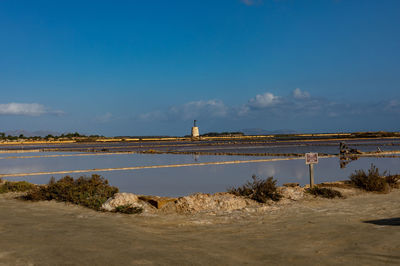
375	134
66	136
222	134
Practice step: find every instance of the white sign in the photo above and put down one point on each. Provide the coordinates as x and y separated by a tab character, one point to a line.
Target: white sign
311	158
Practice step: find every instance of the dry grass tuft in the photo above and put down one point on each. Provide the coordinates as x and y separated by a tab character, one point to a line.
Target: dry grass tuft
324	192
258	190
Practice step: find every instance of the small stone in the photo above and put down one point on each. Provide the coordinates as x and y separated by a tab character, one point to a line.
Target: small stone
291	185
156	201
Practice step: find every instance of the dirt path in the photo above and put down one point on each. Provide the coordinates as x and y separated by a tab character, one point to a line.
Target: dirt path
328	232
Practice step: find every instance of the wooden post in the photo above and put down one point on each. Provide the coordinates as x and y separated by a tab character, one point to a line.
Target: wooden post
311	166
311	159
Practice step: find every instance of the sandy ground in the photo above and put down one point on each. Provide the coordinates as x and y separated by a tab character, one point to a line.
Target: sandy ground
361	230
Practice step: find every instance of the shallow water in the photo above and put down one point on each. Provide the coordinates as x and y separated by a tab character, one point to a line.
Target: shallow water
93	160
186	180
253	147
298	148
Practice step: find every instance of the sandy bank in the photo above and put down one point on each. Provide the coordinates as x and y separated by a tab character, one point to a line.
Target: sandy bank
313	231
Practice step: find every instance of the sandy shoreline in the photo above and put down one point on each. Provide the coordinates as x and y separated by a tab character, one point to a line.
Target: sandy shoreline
313	231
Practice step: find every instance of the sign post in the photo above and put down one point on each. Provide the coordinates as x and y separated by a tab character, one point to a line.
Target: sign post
311	159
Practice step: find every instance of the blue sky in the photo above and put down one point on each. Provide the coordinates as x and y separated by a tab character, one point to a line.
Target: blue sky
151	67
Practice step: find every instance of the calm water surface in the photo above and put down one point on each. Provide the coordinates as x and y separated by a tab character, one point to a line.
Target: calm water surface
187	180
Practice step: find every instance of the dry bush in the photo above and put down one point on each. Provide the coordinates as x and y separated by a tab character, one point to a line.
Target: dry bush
373	181
91	192
20	186
258	190
128	209
324	192
340	184
393	180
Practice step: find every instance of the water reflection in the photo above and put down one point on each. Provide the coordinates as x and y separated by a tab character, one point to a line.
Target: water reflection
345	160
187	180
108	161
331	148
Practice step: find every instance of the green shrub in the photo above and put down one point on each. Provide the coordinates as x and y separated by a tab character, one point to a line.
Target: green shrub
128	209
19	186
373	181
90	192
324	192
258	190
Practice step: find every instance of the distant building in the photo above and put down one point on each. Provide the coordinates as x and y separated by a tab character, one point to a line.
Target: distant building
195	131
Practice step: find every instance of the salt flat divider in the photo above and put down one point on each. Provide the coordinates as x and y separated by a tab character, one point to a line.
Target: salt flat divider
19	151
150	167
68	155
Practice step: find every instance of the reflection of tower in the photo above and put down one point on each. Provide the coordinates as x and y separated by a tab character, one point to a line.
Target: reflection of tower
195	131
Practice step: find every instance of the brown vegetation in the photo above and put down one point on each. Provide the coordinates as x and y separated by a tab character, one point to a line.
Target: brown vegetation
393	181
90	192
128	209
324	192
258	190
373	180
20	186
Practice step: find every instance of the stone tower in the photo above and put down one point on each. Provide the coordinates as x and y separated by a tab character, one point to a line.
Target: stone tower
195	131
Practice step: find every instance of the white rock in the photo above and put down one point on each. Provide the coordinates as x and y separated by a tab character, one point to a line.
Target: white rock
120	199
293	193
217	202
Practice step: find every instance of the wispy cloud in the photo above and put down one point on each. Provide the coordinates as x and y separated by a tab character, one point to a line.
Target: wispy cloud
299	94
298	104
191	110
251	2
105	118
393	106
210	108
26	109
153	115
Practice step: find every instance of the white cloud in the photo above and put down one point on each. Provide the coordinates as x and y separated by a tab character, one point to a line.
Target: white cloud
298	104
263	100
299	94
27	109
30	109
